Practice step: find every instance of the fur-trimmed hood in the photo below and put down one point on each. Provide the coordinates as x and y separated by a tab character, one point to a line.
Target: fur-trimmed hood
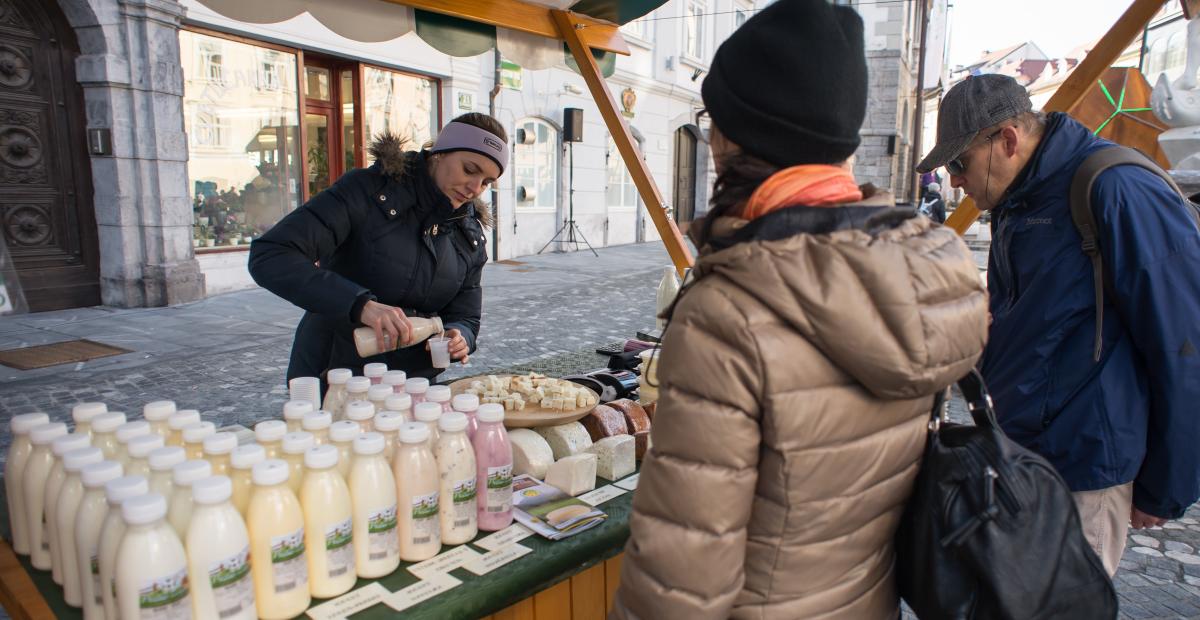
395	160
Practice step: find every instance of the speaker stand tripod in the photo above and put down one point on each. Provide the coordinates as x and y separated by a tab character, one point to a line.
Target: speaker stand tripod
569	226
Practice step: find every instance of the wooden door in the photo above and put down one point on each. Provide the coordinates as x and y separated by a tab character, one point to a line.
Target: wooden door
685	177
45	175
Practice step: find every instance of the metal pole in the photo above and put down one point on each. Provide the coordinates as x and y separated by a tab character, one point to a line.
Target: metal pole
495	194
919	110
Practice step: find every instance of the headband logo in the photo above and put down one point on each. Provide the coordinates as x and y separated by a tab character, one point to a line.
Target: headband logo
493	143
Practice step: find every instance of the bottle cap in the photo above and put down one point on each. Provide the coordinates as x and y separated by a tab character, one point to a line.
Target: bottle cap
398	402
453	422
121	489
69	442
416	385
144	509
338	376
389	421
414	432
182	419
380	392
374	369
107	422
141	447
244	457
165	459
22	424
99	474
344	430
295	409
367	444
212	490
76	460
321	457
490	412
158	410
271	430
298	442
317	420
358	384
45	434
195	433
427	412
359	410
84	412
465	403
270	472
220	443
438	393
129	430
393	378
188	472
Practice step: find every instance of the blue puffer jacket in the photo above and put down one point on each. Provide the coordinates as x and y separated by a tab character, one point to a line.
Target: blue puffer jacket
1135	414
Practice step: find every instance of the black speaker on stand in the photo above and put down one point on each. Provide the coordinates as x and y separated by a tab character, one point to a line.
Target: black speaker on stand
572	133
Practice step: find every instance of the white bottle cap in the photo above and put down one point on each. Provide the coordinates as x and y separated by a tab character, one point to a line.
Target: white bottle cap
465	403
398	402
107	422
84	412
393	378
121	489
388	421
182	419
76	460
270	472
212	490
188	472
22	424
295	409
144	509
68	442
427	412
220	443
344	430
359	410
380	392
298	442
129	430
317	420
321	457
99	474
338	376
490	412
358	384
374	369
245	457
453	422
158	410
141	447
416	385
45	434
195	433
271	430
165	459
367	444
414	432
438	393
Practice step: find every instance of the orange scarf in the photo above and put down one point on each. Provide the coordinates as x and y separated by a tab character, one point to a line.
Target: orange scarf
809	185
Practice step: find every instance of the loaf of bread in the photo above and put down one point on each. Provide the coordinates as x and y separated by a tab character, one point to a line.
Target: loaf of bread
604	421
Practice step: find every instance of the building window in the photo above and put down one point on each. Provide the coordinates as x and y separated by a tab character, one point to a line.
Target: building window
536	158
621	192
211	66
399	103
693	29
636	29
741	14
270	70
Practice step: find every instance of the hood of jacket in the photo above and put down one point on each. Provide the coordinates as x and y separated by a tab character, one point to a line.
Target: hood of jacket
394	160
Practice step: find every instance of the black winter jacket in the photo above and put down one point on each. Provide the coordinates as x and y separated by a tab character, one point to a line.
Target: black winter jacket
388	232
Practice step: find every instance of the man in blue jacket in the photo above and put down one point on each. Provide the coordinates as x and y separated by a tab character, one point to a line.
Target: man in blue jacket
1122	430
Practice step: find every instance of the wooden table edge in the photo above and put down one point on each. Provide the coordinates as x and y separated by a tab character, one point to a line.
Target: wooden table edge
18	594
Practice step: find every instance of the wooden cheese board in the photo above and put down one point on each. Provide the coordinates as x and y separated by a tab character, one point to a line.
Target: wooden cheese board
533	415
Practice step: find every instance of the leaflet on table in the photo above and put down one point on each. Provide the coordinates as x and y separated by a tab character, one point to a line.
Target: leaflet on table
550	512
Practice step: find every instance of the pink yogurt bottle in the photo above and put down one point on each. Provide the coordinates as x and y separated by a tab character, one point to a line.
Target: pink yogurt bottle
439	394
467	404
394	378
493	464
416	388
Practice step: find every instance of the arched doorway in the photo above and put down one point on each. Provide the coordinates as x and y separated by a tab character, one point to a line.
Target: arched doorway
45	177
684	196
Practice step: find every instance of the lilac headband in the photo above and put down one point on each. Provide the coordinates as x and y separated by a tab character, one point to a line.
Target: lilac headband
463	137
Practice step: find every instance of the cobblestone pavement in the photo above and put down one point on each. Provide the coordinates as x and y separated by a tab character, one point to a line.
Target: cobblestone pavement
227	356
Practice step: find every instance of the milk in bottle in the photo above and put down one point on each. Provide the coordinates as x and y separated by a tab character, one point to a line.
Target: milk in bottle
335	396
111	533
457	505
388	423
493	469
180	513
328	524
467	404
93	508
162	462
360	412
217	448
104	433
400	403
63	522
157	413
341	436
276	525
429	413
194	436
14	470
294	447
416	388
139	449
374	371
58	473
417	494
151	564
126	432
294	412
177	422
317	423
218	548
83	414
269	435
33	483
394	379
373	493
241	467
439	394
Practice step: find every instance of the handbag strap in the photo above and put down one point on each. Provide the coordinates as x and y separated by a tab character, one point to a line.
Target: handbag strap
979	402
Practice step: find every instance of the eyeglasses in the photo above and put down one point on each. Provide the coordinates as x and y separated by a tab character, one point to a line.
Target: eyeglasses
957	166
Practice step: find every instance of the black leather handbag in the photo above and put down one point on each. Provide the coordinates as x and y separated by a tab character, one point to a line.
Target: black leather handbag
991	530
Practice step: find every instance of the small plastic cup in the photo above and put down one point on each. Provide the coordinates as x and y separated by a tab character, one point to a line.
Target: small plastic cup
439	351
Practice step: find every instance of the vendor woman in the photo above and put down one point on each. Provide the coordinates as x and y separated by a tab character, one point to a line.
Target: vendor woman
402	238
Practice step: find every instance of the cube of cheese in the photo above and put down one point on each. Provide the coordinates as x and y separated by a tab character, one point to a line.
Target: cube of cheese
614	457
574	474
531	454
566	439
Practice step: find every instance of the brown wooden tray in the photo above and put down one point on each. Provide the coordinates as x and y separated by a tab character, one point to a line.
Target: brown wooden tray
532	416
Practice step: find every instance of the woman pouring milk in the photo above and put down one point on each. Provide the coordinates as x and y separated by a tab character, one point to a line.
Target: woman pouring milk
401	238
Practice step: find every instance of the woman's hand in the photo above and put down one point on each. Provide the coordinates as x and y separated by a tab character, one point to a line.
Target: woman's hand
392	327
458	346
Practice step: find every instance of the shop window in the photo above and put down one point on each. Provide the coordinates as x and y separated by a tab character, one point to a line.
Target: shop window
621	192
398	103
536	160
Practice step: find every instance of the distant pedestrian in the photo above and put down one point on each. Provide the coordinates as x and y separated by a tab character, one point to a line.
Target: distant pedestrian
932	206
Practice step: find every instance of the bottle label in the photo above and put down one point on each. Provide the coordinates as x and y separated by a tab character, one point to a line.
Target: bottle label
464	504
97	590
288	563
382	542
499	488
425	526
339	553
232	588
165	598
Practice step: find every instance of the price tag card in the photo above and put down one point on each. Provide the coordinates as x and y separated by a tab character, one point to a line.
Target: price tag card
507	536
350	603
445	562
629	483
603	494
420	591
492	560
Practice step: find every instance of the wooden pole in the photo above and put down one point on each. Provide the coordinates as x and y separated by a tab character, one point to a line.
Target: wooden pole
571	29
1107	50
525	17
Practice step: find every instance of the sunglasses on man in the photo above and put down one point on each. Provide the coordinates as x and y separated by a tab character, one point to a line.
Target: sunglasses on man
957	166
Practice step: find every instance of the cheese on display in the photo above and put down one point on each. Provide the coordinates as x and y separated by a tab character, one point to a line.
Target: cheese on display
604	421
517	392
566	439
574	474
531	453
614	457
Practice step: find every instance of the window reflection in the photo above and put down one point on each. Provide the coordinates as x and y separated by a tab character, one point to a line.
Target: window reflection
397	103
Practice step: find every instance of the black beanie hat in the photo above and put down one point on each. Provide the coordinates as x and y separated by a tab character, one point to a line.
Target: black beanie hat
790	85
